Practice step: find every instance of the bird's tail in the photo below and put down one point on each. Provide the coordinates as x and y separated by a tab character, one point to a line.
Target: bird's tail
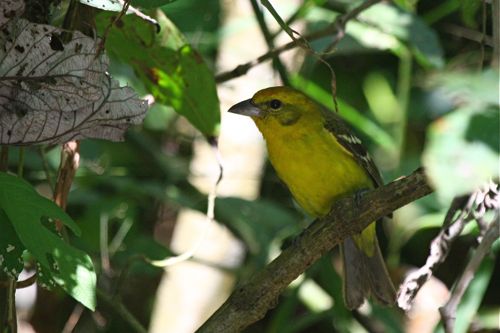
364	271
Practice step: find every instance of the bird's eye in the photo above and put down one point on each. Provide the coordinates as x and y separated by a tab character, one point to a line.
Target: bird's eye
275	104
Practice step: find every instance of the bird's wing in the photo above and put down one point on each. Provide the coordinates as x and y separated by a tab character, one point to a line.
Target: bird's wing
352	144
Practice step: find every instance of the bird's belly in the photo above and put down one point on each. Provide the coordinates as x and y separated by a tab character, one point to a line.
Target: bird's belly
317	172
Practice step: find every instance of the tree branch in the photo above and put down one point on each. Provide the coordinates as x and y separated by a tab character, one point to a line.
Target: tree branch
469	207
439	249
495	8
333	29
449	311
350	215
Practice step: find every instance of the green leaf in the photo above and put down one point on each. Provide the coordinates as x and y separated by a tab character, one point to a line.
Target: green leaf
386	27
258	223
27	212
406	27
462	149
151	3
468	88
141	245
110	5
484	127
117	6
159	117
459	156
171	70
11	249
469	9
408	5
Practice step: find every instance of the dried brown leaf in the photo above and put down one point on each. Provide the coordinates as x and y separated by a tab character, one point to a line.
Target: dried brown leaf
53	91
10	9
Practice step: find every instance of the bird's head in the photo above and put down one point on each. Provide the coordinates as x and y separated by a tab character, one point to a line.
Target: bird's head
277	106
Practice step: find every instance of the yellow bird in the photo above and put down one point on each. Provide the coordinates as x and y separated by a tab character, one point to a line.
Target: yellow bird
319	159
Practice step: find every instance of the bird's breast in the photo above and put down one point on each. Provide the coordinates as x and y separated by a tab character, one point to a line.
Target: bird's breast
315	168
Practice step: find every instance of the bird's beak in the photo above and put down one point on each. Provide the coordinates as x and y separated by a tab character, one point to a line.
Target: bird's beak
246	108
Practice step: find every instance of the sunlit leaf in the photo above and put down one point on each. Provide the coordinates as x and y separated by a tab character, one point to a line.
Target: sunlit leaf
408	28
170	68
459	159
110	5
386	27
462	149
468	88
28	213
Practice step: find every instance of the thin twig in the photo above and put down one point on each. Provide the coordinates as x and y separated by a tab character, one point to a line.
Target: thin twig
125	270
469	207
403	97
299	13
4	158
278	19
304	43
73	319
483	35
333	28
8	321
120	235
253	298
20	164
210	215
46	168
495	18
100	47
126	9
270	42
448	312
466	33
439	249
103	244
70	160
122	311
370	323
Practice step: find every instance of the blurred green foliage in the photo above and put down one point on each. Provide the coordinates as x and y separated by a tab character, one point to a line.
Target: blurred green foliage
414	87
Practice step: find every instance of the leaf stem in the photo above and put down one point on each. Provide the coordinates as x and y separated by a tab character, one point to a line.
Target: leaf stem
122	311
270	42
403	96
4	158
495	9
46	168
448	312
8	321
20	165
299	13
